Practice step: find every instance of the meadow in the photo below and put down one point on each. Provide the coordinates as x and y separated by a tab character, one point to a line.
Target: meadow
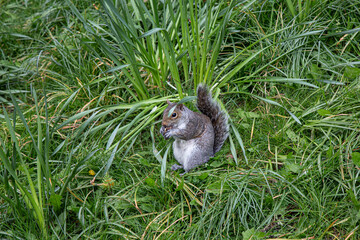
83	85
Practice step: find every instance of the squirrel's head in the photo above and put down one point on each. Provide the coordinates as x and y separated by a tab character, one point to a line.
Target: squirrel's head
171	116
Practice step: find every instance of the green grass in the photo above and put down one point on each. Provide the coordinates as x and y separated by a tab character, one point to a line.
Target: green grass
83	86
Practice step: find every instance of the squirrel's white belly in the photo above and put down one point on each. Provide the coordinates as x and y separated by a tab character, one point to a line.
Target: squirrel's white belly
183	150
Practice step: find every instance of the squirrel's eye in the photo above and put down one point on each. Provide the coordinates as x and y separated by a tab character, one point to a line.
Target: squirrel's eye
173	115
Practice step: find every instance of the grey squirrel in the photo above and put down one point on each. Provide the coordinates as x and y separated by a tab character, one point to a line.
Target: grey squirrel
198	136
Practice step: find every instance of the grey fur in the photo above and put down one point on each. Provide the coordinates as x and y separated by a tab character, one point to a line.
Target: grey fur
196	137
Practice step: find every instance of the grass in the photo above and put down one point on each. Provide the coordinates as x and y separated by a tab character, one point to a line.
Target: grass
83	87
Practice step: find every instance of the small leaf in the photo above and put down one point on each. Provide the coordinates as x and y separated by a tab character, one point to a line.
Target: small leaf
55	201
329	152
150	182
352	72
356	158
246	115
316	72
218	187
253	234
181	185
292	167
292	135
353	198
216	164
323	112
144	162
253	115
203	176
92	172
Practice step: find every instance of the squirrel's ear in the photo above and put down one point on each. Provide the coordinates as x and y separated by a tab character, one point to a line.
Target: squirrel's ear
168	101
181	106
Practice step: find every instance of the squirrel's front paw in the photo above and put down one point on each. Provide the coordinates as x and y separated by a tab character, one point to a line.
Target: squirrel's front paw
167	134
165	131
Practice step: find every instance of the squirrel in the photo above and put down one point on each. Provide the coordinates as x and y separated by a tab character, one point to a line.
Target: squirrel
198	136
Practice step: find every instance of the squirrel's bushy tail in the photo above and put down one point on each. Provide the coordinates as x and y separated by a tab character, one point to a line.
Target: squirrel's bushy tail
212	109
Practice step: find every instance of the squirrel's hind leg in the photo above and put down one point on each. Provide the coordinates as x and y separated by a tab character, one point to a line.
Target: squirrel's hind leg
176	167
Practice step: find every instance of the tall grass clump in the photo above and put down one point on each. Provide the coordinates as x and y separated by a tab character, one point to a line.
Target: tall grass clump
31	189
